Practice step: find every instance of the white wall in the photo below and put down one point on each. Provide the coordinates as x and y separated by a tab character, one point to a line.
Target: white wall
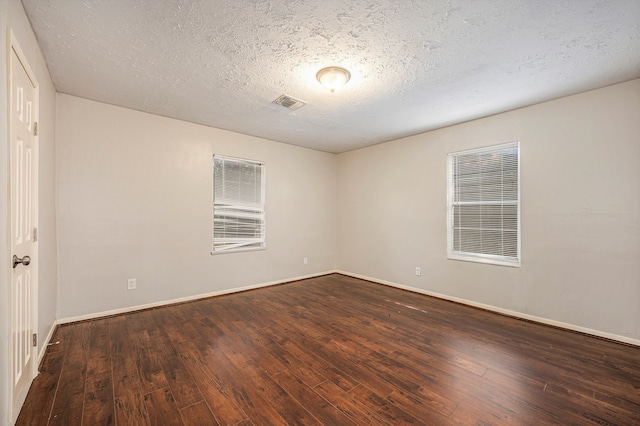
12	16
580	195
135	199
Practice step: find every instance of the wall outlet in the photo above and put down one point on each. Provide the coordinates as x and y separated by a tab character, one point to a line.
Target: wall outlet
131	284
305	261
418	272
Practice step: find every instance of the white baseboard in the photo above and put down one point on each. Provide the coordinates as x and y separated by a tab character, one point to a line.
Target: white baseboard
184	299
559	324
515	314
46	342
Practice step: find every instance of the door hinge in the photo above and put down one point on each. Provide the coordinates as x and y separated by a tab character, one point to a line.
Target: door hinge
35	234
35	129
35	339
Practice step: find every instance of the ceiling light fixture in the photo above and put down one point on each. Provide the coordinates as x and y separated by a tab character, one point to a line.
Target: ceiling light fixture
333	77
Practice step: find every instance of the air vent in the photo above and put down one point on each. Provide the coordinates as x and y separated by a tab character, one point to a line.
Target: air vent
289	102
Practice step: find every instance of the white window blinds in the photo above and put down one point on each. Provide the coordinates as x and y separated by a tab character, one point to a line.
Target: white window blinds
484	205
238	204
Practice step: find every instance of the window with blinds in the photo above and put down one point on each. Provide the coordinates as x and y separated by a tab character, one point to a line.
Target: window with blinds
484	205
238	204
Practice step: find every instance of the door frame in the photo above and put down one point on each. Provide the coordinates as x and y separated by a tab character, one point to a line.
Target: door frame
14	46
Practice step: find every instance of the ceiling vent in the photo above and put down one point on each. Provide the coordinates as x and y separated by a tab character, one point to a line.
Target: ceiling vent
289	102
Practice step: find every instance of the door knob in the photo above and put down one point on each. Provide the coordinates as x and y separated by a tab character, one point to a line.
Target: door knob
25	261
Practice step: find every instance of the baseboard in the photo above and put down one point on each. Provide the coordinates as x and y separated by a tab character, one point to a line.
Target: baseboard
46	342
515	314
184	299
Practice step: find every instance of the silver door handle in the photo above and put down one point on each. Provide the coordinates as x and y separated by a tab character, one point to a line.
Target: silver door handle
25	261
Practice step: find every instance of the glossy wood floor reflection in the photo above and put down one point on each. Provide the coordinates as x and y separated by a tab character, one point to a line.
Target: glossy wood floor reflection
331	350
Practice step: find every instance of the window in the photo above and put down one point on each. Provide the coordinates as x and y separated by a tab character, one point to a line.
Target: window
238	204
484	205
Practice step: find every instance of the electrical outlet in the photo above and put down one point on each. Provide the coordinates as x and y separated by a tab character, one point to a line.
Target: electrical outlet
305	261
131	284
418	272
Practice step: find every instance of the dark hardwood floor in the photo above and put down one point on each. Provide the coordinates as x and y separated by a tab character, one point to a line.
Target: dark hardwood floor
331	350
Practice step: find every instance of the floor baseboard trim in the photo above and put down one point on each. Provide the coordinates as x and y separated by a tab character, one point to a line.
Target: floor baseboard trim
46	342
184	299
502	311
507	312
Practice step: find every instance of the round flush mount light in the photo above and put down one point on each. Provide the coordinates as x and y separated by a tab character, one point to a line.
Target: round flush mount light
333	77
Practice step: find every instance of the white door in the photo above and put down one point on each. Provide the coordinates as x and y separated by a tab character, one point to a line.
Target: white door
23	204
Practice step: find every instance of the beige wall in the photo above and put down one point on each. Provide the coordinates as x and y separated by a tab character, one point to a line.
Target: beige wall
580	195
12	16
135	199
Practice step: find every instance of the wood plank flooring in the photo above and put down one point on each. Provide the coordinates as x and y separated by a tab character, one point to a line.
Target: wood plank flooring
331	350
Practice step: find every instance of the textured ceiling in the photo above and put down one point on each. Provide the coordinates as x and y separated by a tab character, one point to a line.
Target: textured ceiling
415	65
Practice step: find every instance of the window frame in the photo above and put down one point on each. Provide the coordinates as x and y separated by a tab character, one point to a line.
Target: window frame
473	256
263	243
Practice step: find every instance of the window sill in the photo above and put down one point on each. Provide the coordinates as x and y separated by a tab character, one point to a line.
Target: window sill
241	250
483	259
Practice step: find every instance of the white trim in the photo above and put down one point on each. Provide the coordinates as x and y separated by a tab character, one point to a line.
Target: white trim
245	244
503	311
482	149
479	257
491	308
238	159
185	299
238	250
483	258
13	44
45	344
